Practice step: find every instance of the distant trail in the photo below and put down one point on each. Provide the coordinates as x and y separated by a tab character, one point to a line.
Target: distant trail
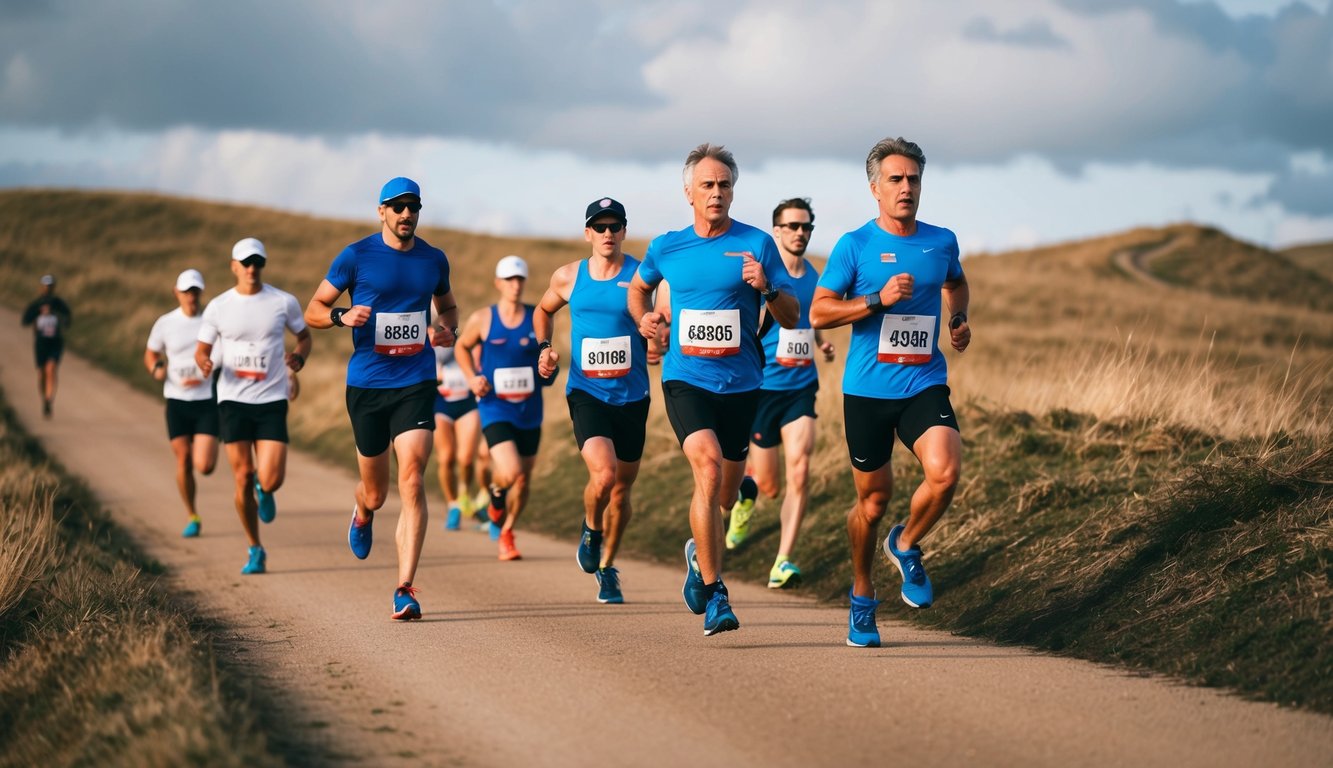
515	663
1135	261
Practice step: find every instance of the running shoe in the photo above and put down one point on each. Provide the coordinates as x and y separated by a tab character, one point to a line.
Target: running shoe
268	506
454	520
507	549
739	527
360	537
784	575
192	527
917	591
405	605
256	563
494	512
46	408
608	581
494	530
589	555
719	616
465	505
694	592
861	629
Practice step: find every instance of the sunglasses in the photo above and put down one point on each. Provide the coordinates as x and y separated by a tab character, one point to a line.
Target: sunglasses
602	226
254	261
399	205
794	226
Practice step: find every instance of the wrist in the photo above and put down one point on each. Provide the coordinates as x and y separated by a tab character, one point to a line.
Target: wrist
770	293
957	319
336	316
542	346
299	359
874	303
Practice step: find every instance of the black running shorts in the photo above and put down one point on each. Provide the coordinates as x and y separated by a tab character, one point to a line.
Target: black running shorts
192	417
48	349
779	407
729	416
242	422
527	440
624	425
871	422
380	415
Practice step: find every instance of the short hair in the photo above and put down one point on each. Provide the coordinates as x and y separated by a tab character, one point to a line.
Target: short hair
887	147
803	203
714	151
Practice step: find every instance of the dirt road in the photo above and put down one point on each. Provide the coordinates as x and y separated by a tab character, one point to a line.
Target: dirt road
516	663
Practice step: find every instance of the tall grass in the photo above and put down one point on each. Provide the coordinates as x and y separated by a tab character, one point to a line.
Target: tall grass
27	535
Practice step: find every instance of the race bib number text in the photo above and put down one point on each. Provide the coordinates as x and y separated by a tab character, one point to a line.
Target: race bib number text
400	333
796	347
251	362
906	339
710	332
605	358
514	384
453	384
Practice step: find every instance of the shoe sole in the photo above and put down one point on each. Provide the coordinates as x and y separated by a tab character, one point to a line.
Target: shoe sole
791	582
408	614
725	625
611	601
862	645
888	552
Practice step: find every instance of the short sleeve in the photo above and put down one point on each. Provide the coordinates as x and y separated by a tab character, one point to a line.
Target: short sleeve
208	329
342	272
295	317
838	272
155	341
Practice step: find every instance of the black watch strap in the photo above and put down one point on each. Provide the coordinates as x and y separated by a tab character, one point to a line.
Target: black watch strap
771	293
336	315
874	303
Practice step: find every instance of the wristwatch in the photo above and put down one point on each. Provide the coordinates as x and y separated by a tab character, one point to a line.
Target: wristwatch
336	316
543	345
770	293
874	303
958	319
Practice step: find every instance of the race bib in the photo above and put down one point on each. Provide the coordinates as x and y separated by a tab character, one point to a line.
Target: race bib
400	333
47	325
453	384
186	376
796	347
605	358
906	339
514	384
710	332
250	362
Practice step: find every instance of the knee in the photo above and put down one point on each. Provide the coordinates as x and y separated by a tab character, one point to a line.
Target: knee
374	498
872	507
944	479
768	485
410	483
602	481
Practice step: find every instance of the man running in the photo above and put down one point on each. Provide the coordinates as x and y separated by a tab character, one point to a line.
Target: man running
607	388
248	322
888	279
457	435
719	271
192	406
49	317
392	277
785	415
508	393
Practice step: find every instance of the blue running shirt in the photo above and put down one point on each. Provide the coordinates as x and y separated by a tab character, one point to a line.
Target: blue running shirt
608	357
789	354
714	313
894	354
392	349
509	363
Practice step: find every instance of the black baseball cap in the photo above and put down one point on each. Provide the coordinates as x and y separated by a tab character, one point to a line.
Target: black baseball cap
605	205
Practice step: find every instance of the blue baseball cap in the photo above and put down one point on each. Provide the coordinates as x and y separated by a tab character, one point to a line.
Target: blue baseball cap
397	187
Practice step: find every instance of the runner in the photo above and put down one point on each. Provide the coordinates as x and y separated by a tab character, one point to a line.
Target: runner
785	416
393	277
457	434
607	388
889	280
508	395
49	316
719	270
192	406
249	320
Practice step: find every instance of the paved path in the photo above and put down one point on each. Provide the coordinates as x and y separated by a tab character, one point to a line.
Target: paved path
516	663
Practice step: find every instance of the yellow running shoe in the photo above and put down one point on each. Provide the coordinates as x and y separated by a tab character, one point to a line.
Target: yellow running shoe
784	575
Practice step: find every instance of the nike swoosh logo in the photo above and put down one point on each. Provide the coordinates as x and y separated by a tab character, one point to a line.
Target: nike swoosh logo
944	415
857	458
927	250
420	423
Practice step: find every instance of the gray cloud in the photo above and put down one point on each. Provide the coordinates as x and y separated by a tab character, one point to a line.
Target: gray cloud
1032	34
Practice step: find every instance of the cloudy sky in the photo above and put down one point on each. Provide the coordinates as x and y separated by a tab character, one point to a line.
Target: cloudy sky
1042	120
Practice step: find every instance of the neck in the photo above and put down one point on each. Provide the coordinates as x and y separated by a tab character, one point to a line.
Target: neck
899	227
795	264
396	243
247	289
602	267
705	228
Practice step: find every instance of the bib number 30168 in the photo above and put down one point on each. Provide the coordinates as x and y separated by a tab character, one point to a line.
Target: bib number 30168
400	333
906	339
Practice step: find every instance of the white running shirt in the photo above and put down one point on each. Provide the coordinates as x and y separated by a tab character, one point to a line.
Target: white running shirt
176	336
250	331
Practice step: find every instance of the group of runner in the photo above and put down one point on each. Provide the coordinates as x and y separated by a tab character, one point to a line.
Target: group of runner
732	312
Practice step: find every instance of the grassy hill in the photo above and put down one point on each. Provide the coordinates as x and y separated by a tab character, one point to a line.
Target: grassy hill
1316	257
1146	473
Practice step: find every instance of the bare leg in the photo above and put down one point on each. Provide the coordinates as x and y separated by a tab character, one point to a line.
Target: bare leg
705	456
873	491
940	451
619	510
243	471
413	451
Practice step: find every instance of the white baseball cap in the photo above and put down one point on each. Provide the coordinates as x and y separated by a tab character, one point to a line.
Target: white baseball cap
48	280
246	248
188	279
511	266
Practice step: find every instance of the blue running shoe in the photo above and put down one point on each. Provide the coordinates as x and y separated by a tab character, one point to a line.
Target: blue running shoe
257	563
917	591
694	592
590	550
608	579
405	605
360	537
192	527
494	530
454	520
720	617
861	629
268	507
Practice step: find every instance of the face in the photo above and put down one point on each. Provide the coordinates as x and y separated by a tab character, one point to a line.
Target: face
793	230
510	288
710	191
899	188
605	243
249	272
399	217
189	300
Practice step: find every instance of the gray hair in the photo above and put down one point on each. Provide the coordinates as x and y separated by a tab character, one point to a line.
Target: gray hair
887	147
714	151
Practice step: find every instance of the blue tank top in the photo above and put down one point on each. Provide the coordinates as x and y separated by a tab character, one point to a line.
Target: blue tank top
509	363
608	357
789	355
894	354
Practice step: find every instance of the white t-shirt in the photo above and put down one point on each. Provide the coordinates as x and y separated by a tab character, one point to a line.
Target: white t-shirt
250	331
177	335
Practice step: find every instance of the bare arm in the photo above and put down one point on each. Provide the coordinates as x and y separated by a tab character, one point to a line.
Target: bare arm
156	364
641	310
317	312
829	310
474	330
444	332
958	296
297	357
203	357
543	317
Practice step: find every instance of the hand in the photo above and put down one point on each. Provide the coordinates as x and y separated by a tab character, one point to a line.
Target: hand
898	288
295	361
649	325
827	348
160	371
441	336
479	385
548	363
357	316
205	366
960	336
752	272
658	345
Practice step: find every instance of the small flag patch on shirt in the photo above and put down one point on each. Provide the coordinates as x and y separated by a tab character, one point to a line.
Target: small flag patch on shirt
888	258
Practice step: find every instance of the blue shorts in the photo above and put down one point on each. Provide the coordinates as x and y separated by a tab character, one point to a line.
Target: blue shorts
455	410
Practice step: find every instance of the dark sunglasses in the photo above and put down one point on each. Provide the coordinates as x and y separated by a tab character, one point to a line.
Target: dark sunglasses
399	205
254	261
602	226
799	225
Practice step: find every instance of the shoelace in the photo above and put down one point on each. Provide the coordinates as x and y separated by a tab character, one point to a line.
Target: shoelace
610	576
864	614
411	592
912	564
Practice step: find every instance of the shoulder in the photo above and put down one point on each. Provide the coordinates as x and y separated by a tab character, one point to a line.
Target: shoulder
565	275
